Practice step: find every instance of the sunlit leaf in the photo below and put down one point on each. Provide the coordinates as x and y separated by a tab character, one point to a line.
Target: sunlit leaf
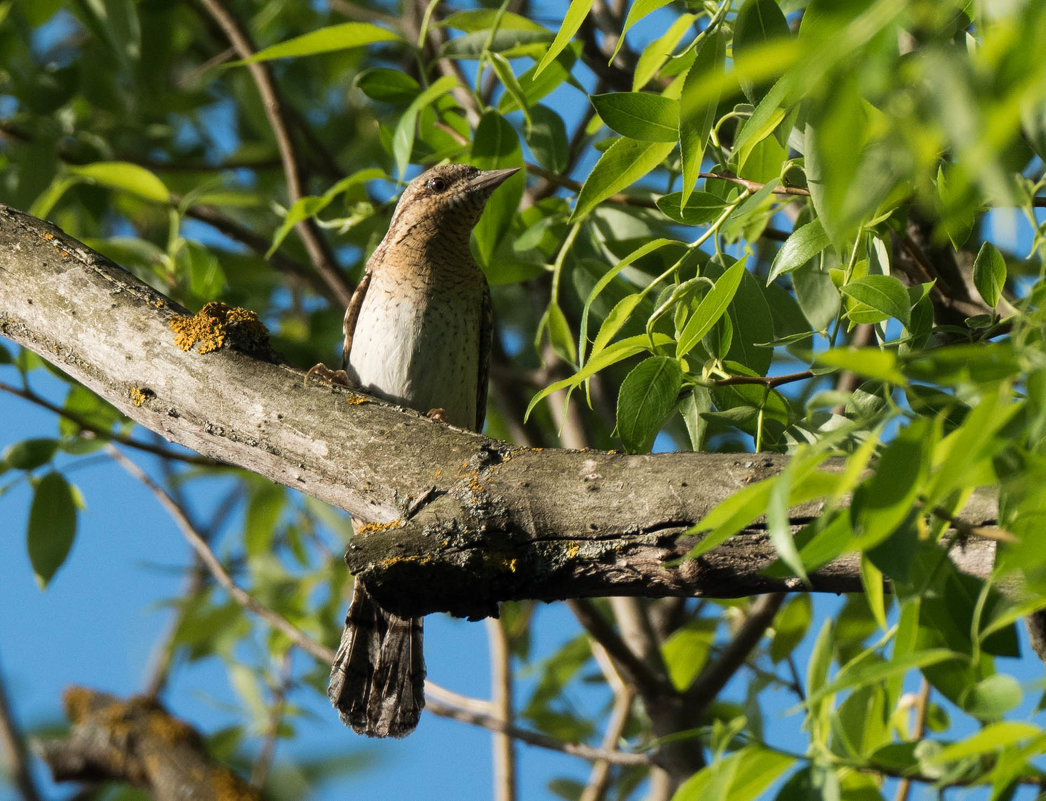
989	273
325	40
620	166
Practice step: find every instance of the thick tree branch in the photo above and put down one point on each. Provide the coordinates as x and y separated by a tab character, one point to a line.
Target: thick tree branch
477	521
139	742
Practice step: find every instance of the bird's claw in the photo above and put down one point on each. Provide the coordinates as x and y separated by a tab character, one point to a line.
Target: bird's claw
437	414
339	377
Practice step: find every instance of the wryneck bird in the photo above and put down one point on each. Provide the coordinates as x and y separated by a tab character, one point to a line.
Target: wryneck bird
417	333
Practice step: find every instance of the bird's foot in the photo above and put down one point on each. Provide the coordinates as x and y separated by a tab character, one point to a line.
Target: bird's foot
339	377
437	414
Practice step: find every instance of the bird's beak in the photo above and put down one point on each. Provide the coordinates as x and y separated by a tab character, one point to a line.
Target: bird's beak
489	180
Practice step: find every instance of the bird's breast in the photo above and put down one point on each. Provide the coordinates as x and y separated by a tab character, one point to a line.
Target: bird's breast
418	346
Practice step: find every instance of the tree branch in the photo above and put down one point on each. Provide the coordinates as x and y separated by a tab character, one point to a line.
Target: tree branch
275	109
478	522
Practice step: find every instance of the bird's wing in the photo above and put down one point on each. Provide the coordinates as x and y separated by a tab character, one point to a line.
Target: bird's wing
352	314
486	332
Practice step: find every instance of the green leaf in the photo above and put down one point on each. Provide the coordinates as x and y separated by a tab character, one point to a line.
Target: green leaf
535	86
989	273
324	40
790	626
575	15
310	206
29	453
263	513
992	697
600	361
495	146
990	739
757	22
615	319
697	108
741	776
802	245
656	53
778	525
559	333
863	674
403	136
816	295
638	10
712	307
877	298
125	177
484	20
647	396
890	492
387	86
605	280
880	365
52	526
547	138
639	115
623	163
700	207
686	651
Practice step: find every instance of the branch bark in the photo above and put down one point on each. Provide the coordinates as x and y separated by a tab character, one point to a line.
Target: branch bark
470	521
139	742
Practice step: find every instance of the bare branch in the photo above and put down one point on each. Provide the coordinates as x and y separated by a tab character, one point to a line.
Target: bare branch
14	752
139	742
212	563
275	109
493	523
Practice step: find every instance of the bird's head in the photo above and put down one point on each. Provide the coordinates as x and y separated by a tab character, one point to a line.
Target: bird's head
446	200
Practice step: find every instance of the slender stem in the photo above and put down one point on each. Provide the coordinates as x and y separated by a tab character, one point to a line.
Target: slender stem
600	776
212	563
715	676
109	436
631	666
262	765
319	251
12	746
904	786
493	723
501	704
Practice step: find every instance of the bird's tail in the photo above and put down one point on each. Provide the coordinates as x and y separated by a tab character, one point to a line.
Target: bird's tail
377	682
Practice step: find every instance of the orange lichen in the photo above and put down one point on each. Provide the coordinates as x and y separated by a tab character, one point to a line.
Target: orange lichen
355	400
140	396
212	324
370	528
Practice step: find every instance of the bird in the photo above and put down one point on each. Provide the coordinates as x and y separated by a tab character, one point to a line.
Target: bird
418	333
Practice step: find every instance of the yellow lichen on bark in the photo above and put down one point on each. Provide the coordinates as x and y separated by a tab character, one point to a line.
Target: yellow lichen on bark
212	324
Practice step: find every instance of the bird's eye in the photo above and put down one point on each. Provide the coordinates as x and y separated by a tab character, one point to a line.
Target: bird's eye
437	184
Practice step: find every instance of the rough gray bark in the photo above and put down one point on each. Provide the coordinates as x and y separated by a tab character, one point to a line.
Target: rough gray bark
470	521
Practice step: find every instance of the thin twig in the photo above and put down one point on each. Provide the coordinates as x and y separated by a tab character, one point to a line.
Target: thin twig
767	381
109	436
904	786
214	565
262	765
633	669
536	738
501	704
714	677
197	580
12	745
599	778
317	247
